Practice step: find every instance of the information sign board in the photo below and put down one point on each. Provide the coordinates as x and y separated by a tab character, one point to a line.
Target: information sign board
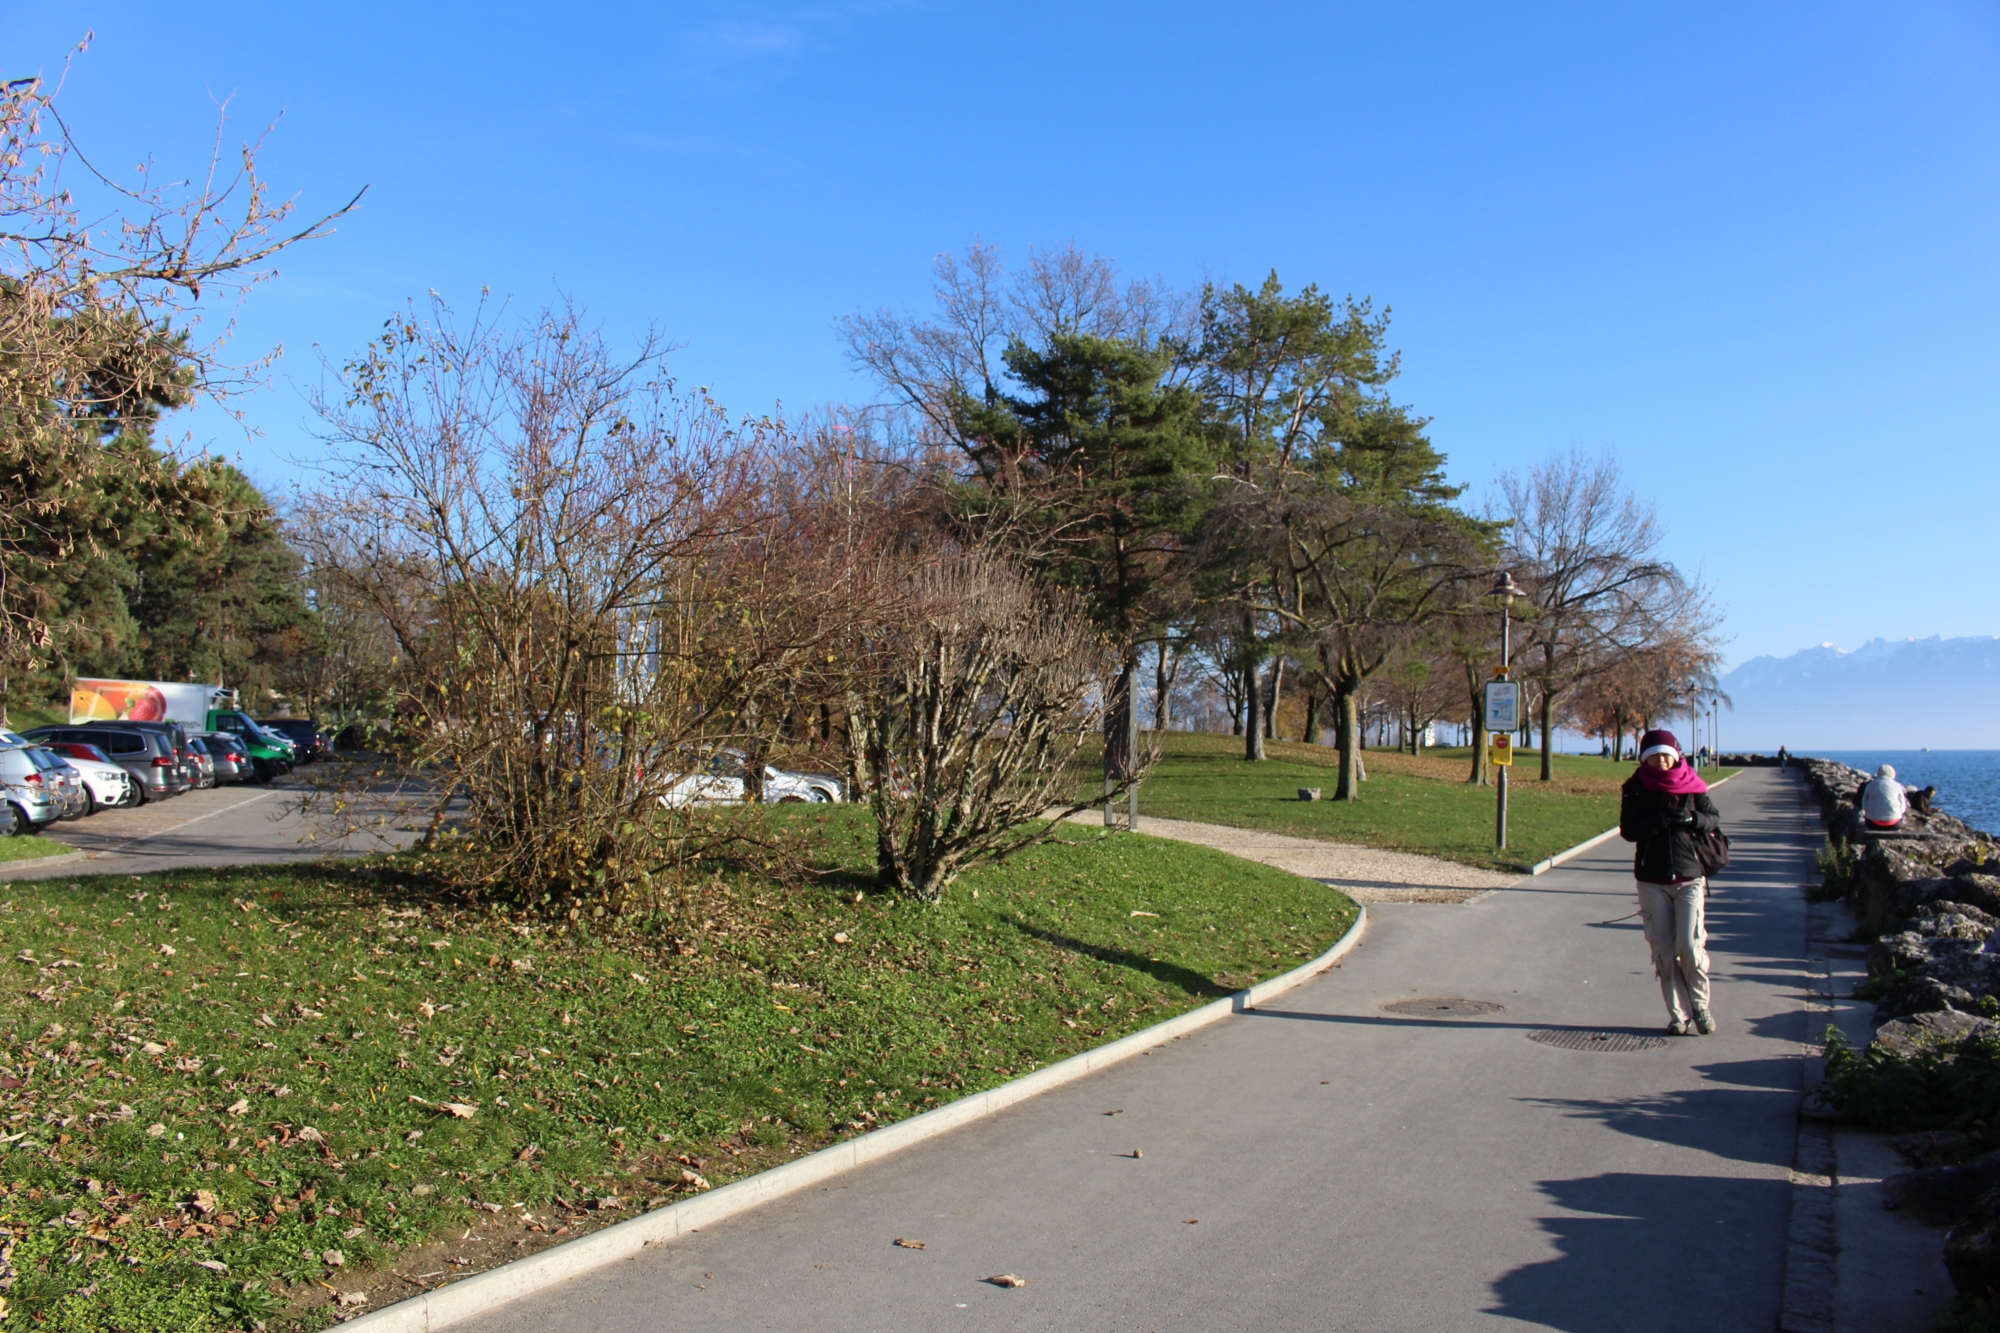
1503	706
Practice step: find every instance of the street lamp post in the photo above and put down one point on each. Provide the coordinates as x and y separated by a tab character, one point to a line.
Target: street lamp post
1506	590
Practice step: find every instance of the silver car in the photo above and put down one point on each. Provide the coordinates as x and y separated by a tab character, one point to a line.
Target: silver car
231	756
31	799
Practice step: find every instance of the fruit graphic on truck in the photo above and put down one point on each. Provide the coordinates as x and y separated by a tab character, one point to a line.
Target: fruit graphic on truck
194	706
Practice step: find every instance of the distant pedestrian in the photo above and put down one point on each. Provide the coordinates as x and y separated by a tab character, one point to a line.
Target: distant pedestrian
1784	757
1666	810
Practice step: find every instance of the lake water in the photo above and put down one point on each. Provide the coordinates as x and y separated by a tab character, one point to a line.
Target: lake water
1968	781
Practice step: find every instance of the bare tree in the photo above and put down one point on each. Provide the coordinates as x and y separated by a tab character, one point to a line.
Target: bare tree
1586	549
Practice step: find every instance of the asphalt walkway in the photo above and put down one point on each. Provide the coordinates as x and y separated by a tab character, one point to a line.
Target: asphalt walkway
1326	1163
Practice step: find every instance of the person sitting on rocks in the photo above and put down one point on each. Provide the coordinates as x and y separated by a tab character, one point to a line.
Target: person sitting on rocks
1883	801
1920	801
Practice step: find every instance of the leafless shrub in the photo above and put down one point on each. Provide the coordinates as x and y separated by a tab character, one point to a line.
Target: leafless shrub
980	698
583	582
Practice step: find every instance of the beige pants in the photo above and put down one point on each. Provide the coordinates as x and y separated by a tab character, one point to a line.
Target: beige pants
1677	933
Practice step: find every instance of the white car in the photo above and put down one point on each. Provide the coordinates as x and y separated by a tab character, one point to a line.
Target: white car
721	783
107	783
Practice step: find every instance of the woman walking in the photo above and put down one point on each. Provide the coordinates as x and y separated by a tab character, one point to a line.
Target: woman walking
1666	810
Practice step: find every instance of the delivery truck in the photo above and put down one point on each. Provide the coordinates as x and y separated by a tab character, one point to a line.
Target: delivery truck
195	707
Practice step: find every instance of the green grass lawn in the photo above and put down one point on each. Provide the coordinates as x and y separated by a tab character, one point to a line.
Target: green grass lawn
27	847
227	1094
1409	803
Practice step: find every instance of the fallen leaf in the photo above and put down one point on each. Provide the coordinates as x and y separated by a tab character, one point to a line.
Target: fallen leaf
1119	1111
609	1205
427	1009
459	1110
188	1064
265	1021
352	1232
639	977
334	1258
212	1265
239	1106
205	1202
840	937
152	1048
155	1131
311	1135
690	1178
1006	1280
351	1297
909	1244
1190	1221
167	949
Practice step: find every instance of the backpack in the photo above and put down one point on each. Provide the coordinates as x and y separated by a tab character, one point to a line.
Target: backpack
1712	850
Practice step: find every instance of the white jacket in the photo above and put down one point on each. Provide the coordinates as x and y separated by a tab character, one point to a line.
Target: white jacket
1883	801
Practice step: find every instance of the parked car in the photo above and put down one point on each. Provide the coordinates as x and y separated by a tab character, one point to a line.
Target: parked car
304	733
32	801
721	783
232	757
68	780
147	754
107	783
205	763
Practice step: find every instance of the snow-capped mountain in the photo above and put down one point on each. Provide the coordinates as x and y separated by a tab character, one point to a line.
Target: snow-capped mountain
1888	694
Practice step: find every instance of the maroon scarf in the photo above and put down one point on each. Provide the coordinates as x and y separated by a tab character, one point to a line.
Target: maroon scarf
1680	780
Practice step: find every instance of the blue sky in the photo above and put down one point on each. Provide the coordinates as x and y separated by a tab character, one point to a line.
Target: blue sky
1749	248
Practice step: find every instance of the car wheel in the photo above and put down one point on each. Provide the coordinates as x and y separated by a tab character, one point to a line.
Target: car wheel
12	821
89	802
817	796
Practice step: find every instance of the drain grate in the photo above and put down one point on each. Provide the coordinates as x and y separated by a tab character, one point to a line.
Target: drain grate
1444	1008
1581	1039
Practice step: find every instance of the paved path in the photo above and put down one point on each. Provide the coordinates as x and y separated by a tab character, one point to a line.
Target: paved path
230	825
1367	874
1324	1164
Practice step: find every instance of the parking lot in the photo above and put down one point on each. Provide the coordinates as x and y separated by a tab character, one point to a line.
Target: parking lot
229	825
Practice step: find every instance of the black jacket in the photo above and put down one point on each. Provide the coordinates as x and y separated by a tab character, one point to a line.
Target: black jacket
1666	829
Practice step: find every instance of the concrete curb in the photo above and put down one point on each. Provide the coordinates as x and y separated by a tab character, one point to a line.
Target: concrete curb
7	868
1543	867
495	1287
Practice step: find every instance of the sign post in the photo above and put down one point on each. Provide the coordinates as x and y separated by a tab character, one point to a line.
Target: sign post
1503	718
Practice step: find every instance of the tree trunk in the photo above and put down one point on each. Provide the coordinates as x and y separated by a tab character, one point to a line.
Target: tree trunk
1118	759
1271	702
1347	723
1164	675
1253	712
1473	686
1548	741
1311	736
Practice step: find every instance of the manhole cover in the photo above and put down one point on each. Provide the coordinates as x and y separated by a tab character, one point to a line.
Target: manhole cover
1580	1039
1444	1008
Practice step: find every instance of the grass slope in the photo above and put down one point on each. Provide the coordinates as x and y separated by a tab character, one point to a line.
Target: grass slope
227	1093
28	847
1409	803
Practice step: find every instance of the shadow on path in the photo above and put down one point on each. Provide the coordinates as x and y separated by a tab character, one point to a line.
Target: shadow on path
1653	1248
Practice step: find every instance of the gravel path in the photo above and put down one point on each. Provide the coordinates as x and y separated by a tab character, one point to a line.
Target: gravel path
1365	874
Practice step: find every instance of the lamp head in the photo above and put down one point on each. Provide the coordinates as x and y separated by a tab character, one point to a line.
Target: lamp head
1505	588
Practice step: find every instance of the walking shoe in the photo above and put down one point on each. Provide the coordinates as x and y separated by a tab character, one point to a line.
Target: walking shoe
1704	1022
1677	1028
